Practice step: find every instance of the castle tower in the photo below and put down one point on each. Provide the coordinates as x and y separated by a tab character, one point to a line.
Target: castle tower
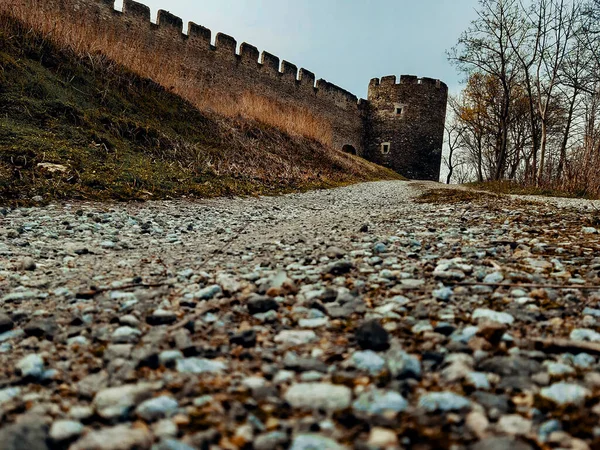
405	125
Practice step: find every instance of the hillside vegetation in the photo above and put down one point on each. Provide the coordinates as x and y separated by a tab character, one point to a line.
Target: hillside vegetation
115	135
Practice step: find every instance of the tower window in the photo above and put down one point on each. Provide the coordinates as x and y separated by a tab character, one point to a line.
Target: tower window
399	109
385	148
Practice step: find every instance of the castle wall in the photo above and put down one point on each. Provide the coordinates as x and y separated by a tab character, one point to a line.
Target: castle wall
218	69
416	134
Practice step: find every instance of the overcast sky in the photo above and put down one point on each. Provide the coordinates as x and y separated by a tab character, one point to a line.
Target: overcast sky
346	42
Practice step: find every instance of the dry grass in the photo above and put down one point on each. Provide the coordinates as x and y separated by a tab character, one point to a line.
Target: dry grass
584	184
136	55
582	177
492	201
451	196
292	120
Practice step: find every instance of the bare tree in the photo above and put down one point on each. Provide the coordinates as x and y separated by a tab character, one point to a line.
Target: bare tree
526	47
454	133
557	22
486	47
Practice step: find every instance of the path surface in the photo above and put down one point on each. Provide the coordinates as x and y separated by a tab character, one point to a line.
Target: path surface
350	318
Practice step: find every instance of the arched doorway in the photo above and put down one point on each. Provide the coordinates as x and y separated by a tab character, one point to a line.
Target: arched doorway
349	149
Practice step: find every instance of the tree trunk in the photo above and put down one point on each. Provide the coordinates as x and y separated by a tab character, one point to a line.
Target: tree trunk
565	140
540	174
501	158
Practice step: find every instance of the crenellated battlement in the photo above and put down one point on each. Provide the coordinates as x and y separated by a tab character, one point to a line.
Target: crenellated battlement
133	9
200	37
399	113
391	80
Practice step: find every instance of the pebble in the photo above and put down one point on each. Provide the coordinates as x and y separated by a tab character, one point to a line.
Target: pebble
313	323
370	335
514	424
31	366
583	334
328	397
120	437
547	428
270	441
340	267
380	402
6	323
165	428
444	293
228	283
478	380
369	361
19	296
7	394
494	316
161	317
246	338
314	442
296	337
65	430
443	401
402	365
125	335
169	357
565	393
283	376
260	304
199	365
380	247
81	412
28	264
208	292
116	402
478	423
493	278
157	408
558	369
382	438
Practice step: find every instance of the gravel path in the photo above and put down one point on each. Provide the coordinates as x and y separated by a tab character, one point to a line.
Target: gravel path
351	318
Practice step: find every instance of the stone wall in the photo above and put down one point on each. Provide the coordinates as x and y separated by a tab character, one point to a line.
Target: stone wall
409	116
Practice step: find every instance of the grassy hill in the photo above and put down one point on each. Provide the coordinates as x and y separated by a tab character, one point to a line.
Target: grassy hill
114	135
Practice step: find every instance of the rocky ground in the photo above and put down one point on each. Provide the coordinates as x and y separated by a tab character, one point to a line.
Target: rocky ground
354	318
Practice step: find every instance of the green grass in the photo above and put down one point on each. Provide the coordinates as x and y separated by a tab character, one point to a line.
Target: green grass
122	137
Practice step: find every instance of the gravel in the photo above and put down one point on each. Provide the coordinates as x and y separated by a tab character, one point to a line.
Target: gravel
351	318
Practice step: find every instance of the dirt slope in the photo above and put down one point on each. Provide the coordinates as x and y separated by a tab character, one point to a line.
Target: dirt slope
119	136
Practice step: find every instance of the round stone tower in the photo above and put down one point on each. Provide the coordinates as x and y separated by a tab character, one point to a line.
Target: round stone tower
406	125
